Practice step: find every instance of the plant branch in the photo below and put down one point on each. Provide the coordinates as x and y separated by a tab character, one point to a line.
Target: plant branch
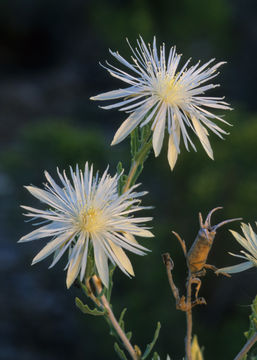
247	347
180	301
113	320
188	340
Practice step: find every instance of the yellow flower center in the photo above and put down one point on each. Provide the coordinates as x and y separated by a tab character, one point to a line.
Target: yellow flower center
170	91
90	220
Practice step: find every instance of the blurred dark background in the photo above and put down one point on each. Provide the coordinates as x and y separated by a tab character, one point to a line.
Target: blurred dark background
49	54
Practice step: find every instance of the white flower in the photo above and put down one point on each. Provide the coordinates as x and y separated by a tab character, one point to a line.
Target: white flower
167	97
87	210
249	242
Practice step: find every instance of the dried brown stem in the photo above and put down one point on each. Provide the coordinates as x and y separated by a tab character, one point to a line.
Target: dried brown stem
113	320
169	266
188	340
182	243
247	347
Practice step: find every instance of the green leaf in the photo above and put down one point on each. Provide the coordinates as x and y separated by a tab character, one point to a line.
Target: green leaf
145	133
129	335
86	310
155	356
122	179
119	168
134	142
121	321
109	289
120	352
84	288
195	350
150	346
90	267
253	320
254	305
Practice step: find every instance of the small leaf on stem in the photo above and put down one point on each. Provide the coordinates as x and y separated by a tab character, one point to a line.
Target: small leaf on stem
150	346
86	310
120	352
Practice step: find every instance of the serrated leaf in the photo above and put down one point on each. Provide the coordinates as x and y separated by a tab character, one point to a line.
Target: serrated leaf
120	352
86	310
150	346
195	350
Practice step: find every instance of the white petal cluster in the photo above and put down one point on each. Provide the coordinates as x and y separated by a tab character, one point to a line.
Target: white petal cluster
168	97
249	242
87	211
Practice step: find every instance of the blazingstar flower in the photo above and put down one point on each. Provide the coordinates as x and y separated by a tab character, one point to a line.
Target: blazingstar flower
160	93
249	242
87	210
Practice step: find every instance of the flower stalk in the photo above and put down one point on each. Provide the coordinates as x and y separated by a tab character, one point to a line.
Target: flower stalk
246	347
139	160
166	96
113	320
189	319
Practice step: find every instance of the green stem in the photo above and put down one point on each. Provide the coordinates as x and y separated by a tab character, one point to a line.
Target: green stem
112	319
134	166
247	347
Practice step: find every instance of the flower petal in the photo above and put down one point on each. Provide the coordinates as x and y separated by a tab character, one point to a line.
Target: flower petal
114	94
101	262
122	257
73	269
235	268
158	133
126	128
51	247
201	133
172	152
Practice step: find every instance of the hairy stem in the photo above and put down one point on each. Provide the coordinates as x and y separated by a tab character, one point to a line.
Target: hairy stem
247	347
188	340
139	160
113	320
